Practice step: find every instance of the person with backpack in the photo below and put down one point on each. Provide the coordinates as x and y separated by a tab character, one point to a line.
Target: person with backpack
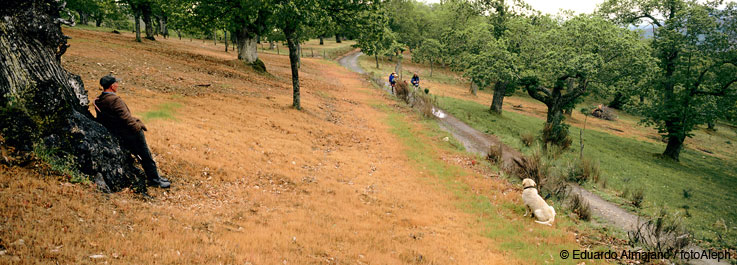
415	81
393	80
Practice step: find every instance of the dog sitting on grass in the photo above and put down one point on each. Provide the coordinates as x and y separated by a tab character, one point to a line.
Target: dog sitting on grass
535	205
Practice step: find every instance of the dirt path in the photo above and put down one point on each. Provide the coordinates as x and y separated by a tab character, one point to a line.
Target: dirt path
477	142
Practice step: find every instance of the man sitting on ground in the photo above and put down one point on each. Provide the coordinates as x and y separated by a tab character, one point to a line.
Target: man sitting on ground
114	114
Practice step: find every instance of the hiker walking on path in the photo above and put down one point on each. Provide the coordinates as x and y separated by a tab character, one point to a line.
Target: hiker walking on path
114	114
393	80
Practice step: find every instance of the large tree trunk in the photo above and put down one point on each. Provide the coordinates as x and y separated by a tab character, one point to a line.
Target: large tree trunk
337	38
44	107
398	67
431	64
376	56
146	12
226	40
618	101
163	20
321	40
500	89
137	18
673	149
473	87
98	21
299	54
247	47
711	125
554	132
292	43
84	18
157	25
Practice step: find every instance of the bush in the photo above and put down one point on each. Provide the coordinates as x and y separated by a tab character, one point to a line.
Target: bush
584	170
527	139
580	207
636	197
495	154
664	233
557	135
424	103
61	163
401	90
534	166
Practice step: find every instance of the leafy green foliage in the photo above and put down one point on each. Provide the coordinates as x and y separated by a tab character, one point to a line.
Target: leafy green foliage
375	36
429	51
61	163
695	75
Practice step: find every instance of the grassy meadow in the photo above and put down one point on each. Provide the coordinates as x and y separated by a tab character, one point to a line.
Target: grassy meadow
700	186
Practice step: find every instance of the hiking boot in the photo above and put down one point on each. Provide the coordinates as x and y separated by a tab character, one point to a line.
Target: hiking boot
159	182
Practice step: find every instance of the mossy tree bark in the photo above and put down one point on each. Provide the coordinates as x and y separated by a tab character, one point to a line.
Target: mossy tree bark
43	105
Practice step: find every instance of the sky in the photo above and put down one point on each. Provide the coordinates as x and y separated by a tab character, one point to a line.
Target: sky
552	6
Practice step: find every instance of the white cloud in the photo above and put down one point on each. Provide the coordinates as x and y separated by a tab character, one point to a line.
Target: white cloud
552	7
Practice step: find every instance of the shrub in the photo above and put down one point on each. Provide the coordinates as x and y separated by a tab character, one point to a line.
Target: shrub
61	163
495	154
534	166
527	139
580	207
423	102
636	197
663	233
401	90
584	170
557	135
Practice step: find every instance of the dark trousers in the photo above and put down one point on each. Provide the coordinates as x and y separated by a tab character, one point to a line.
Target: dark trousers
136	144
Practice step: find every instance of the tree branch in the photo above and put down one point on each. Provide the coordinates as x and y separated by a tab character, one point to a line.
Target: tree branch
695	89
720	92
579	91
646	15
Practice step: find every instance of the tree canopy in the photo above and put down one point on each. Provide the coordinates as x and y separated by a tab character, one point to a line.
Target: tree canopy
694	52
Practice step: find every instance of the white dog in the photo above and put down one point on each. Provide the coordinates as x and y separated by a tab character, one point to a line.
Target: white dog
544	213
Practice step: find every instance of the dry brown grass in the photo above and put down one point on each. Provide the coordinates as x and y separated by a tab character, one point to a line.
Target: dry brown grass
253	179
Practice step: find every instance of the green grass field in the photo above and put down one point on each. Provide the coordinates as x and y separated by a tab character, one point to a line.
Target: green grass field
701	187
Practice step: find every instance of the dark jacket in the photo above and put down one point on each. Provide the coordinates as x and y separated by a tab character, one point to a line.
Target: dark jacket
415	80
115	115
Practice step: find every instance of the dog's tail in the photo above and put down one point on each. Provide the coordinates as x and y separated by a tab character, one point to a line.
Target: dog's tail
549	221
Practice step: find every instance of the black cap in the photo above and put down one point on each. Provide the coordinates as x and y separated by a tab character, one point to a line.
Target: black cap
108	80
